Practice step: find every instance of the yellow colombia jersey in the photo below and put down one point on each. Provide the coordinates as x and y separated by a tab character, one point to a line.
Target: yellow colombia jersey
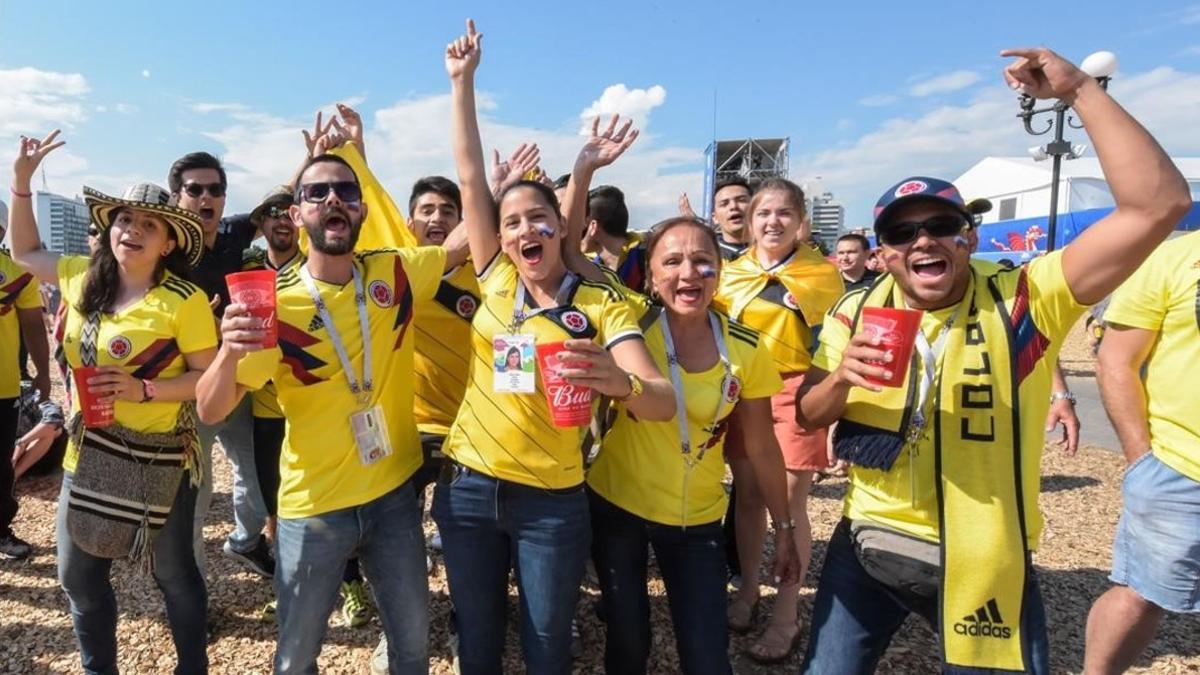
265	401
442	359
18	290
319	468
641	468
511	436
147	339
1163	296
759	299
1041	310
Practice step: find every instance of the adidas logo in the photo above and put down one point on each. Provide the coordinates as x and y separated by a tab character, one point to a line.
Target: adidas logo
316	324
985	622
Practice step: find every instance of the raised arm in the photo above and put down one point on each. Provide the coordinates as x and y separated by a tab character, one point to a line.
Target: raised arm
1151	195
600	150
479	211
23	236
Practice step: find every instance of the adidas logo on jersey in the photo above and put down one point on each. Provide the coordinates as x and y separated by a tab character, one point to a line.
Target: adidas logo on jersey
985	622
316	324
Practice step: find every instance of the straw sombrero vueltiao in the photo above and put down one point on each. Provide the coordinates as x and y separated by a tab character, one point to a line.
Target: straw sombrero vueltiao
153	199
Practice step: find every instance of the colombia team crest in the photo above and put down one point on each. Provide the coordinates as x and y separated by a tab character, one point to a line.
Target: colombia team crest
465	307
575	321
911	187
380	293
789	301
733	390
119	347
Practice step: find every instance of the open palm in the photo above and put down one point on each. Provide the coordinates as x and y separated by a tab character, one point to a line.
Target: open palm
604	147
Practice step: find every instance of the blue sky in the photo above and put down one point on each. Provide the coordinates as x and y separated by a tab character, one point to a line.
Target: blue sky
867	92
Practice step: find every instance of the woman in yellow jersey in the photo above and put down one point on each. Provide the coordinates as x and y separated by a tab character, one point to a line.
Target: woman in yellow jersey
659	483
133	314
781	288
515	498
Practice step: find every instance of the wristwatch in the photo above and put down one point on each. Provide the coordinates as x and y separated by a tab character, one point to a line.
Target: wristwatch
149	391
635	388
1060	395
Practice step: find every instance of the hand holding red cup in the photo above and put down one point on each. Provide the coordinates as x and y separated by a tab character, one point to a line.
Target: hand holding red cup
564	367
896	332
96	408
255	291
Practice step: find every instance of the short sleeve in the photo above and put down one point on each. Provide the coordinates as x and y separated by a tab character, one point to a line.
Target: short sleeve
72	271
1141	302
258	368
835	334
196	329
618	322
1051	301
424	266
761	378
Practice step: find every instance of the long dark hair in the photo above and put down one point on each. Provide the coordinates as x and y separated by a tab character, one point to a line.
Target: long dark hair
103	279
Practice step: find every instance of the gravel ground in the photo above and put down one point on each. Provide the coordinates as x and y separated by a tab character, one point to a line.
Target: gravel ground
1081	503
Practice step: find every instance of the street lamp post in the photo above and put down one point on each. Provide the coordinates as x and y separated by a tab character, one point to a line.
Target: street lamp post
1101	66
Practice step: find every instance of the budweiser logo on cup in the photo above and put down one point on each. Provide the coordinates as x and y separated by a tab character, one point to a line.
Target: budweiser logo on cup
256	292
570	404
897	331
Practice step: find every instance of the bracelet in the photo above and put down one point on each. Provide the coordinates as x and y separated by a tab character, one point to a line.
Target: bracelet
789	524
14	192
1062	395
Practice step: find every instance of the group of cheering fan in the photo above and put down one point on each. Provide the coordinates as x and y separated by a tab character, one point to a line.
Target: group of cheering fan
694	350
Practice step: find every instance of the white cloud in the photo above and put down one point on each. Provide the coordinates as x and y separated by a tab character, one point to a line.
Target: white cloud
1193	50
619	99
949	139
878	100
37	100
146	74
411	138
948	82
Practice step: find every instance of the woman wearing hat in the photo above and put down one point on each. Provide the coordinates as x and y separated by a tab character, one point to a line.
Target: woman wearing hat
149	332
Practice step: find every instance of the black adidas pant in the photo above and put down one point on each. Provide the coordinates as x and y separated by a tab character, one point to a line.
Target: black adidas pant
8	442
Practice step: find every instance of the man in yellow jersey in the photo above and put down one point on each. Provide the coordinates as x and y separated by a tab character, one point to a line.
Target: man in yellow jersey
941	515
20	317
343	373
608	241
1153	322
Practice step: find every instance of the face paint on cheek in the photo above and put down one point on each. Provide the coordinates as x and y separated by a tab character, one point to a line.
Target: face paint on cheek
545	230
707	271
891	257
960	241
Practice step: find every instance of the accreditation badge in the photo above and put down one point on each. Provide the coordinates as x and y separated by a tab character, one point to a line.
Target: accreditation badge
371	435
513	364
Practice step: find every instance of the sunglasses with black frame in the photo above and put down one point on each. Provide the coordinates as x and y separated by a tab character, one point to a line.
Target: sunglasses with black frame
195	190
347	191
906	232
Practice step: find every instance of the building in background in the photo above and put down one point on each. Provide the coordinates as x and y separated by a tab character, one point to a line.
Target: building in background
753	159
828	215
62	223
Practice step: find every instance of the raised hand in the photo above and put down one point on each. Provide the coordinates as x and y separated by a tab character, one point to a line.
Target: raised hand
1041	73
462	55
521	161
604	147
319	130
30	156
351	126
685	206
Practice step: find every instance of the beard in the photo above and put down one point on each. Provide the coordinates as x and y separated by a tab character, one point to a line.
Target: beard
316	232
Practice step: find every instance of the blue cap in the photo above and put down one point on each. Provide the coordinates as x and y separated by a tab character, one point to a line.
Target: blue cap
916	188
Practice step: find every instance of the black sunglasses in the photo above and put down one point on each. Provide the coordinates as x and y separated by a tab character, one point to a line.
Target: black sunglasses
215	190
277	212
93	232
898	234
347	191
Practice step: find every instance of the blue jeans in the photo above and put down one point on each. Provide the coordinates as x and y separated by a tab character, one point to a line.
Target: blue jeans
312	552
236	434
489	525
86	580
692	563
855	616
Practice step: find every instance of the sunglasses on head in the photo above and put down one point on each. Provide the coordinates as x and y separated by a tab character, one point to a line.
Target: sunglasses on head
194	190
346	191
906	232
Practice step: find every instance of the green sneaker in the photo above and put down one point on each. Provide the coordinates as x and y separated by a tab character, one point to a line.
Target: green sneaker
268	612
356	607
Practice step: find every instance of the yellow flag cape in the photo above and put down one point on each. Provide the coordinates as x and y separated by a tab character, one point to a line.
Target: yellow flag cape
385	226
813	282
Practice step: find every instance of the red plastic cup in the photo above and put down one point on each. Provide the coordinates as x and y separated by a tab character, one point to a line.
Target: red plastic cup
570	404
256	290
897	331
96	414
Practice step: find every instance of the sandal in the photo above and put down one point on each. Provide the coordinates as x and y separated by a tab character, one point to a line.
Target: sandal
741	615
774	646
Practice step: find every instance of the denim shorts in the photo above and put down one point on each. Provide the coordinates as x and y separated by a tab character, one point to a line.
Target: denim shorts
1157	548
